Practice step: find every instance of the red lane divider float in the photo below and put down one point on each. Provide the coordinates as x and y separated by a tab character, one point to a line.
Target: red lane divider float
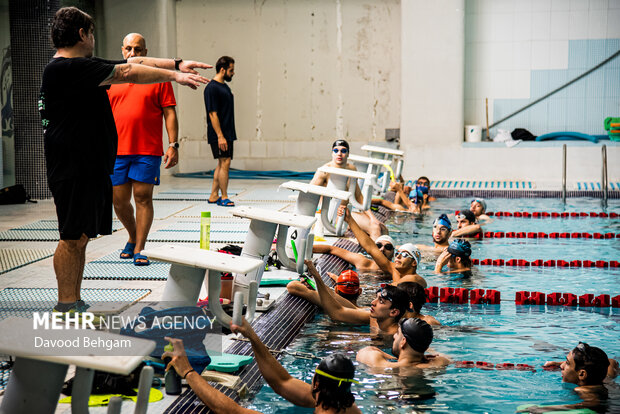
490	365
603	264
544	214
436	294
541	235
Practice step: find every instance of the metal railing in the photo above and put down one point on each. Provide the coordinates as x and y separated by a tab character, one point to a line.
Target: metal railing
604	181
564	173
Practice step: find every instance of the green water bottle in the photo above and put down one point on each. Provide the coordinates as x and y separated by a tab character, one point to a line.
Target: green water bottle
172	380
205	229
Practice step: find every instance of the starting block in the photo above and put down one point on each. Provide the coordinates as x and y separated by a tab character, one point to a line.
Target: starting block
395	156
38	375
374	167
188	271
338	180
308	201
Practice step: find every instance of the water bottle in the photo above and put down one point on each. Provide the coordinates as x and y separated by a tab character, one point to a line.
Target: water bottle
205	229
172	380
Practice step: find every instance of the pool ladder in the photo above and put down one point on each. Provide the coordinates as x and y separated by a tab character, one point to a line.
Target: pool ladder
604	178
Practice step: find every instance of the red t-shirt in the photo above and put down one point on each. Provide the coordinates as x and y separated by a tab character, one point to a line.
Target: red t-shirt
138	112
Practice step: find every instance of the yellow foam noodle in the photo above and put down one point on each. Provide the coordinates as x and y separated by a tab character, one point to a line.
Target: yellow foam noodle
104	399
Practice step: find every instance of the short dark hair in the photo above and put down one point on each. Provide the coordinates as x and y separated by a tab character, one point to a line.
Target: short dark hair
333	393
400	300
417	294
223	63
425	178
594	360
66	25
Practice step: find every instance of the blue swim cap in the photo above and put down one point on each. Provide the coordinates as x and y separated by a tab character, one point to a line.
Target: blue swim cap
422	188
416	196
444	221
460	248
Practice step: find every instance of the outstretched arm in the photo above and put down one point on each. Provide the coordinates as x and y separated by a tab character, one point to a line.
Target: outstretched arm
366	242
332	307
355	259
467	230
136	73
211	397
186	66
291	389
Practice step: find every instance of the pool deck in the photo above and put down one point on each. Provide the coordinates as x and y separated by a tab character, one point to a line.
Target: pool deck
175	214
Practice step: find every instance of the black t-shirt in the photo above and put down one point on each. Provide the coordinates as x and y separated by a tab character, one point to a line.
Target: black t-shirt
219	98
79	129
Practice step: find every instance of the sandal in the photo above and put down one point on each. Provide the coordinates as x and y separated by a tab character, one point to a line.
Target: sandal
225	202
127	252
215	202
139	256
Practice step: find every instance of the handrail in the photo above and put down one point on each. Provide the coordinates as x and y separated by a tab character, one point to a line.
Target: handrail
604	181
564	173
586	73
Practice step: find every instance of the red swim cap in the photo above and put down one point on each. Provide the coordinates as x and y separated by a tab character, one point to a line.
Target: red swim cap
348	282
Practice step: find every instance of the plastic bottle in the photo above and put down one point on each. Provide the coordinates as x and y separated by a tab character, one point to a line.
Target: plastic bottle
172	380
205	229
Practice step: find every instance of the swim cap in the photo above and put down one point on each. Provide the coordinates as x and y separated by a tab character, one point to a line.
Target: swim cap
340	143
410	247
422	189
444	221
348	282
338	368
418	333
482	203
468	215
416	196
460	248
385	238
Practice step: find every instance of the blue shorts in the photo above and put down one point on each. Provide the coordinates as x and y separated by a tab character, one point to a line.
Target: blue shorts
143	168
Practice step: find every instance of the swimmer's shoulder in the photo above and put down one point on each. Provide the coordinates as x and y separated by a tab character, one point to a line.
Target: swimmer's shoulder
430	320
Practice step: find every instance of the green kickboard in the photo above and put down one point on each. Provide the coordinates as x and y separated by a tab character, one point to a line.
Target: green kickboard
228	362
275	282
570	411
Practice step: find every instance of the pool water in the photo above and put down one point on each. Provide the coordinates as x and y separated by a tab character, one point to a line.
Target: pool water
491	333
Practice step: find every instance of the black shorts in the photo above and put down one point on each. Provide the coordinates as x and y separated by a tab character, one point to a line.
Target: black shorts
217	153
83	206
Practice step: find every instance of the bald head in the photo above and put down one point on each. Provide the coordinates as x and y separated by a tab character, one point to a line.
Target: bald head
133	45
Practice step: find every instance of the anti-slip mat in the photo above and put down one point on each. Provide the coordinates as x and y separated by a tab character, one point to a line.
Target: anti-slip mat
11	259
42	230
190	195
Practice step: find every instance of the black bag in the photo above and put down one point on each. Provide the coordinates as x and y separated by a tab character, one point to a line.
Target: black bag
523	134
15	194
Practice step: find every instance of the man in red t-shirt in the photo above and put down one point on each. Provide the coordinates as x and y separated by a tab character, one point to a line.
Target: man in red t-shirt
138	111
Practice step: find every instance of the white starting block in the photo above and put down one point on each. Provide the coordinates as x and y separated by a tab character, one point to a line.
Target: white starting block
308	201
374	167
188	271
338	180
393	155
260	238
38	375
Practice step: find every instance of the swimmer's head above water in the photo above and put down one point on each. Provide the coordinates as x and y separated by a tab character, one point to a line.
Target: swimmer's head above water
331	385
478	206
414	334
387	245
465	218
585	365
460	251
391	302
340	152
407	256
348	285
442	229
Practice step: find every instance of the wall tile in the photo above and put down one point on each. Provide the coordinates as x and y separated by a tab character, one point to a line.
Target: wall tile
557	115
613	26
575	113
502	56
594	116
522	26
242	148
559	25
612	83
258	149
558	54
560	5
611	47
539	117
597	24
523	6
614	4
596	52
579	5
578	24
501	82
578	54
595	84
538	83
541	5
521	84
577	89
522	55
502	27
599	4
541	25
540	54
275	149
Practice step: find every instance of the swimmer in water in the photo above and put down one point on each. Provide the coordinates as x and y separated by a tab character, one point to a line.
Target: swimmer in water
424	184
405	265
385	311
411	341
362	263
467	226
346	292
329	392
478	206
412	203
457	257
417	299
340	157
587	367
442	230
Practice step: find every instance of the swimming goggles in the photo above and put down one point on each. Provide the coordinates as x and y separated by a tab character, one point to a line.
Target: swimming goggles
340	150
385	294
584	349
386	246
340	380
349	284
404	254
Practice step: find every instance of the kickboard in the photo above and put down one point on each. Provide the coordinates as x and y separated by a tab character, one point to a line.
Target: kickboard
569	411
276	281
228	362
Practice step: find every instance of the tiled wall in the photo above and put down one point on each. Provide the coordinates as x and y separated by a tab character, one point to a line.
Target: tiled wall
517	51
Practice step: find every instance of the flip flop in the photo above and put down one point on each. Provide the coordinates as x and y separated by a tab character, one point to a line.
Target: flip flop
128	250
225	203
214	202
139	256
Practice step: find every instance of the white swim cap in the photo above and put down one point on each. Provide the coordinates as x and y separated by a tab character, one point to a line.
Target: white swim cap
386	238
410	247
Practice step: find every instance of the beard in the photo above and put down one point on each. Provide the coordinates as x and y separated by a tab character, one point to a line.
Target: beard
227	78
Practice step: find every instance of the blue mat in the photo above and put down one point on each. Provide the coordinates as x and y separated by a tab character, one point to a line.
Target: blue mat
253	175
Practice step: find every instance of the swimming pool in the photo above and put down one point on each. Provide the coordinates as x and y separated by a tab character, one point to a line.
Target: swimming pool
491	333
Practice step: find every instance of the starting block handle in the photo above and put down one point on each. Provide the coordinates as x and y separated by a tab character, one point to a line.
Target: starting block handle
215	287
82	386
252	296
399	168
281	248
238	308
144	388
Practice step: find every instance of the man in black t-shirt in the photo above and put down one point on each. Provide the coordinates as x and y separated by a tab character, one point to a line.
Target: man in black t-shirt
81	140
219	103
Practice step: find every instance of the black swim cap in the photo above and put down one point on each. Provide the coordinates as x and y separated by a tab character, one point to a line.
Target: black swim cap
338	368
469	216
460	248
418	333
340	143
